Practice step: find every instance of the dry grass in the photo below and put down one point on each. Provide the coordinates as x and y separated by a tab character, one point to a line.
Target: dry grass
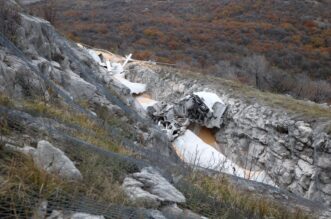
23	184
92	133
60	112
242	202
5	100
102	179
21	181
95	133
100	138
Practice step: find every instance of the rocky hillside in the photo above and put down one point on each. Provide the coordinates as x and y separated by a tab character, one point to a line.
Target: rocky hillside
287	42
75	143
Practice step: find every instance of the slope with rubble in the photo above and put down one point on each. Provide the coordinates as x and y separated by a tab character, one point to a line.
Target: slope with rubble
84	136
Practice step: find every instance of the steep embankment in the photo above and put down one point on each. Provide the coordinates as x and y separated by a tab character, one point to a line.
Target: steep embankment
72	142
292	144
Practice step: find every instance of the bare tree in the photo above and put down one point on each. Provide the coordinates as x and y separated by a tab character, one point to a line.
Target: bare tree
256	66
49	11
226	70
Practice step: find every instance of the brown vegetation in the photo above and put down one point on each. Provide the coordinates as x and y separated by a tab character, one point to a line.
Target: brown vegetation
292	39
9	19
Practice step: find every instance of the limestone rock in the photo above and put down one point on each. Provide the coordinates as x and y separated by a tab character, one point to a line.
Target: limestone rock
56	214
17	79
304	131
324	161
134	189
306	168
51	159
150	186
174	212
327	189
325	215
54	161
77	87
155	214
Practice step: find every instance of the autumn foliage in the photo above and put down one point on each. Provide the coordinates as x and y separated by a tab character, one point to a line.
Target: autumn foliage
294	36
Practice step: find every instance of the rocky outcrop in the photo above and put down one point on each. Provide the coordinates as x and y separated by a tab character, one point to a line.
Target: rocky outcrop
149	186
50	159
43	61
288	149
293	149
17	79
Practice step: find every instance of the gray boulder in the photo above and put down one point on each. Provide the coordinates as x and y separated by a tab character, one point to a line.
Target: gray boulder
148	185
54	161
50	159
174	212
155	214
69	215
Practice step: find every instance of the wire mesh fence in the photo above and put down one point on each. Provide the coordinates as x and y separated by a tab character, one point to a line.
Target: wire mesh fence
16	205
34	206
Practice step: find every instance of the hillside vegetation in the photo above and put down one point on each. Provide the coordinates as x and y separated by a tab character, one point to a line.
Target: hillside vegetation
72	142
279	46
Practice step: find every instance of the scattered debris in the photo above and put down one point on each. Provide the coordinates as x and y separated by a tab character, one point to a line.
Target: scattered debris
201	108
117	70
210	99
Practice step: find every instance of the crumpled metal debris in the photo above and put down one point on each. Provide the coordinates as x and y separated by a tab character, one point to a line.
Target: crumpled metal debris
174	118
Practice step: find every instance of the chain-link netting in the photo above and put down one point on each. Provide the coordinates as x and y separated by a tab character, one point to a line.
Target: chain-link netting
33	206
91	78
60	200
16	206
